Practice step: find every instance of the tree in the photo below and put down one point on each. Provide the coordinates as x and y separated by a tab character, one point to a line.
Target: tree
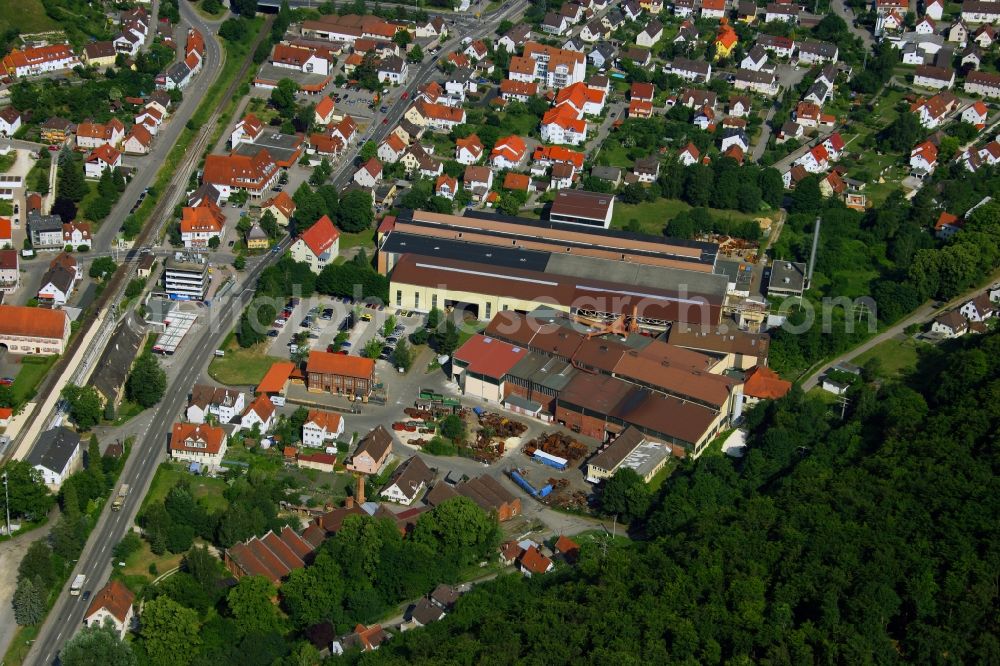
202	566
633	193
434	319
240	262
214	242
370	148
510	201
28	602
26	491
283	96
446	342
309	206
95	468
102	268
37	565
165	627
245	8
453	427
626	495
70	182
356	212
459	530
85	406
372	349
97	646
402	356
416	54
806	197
902	134
147	382
250	605
255	322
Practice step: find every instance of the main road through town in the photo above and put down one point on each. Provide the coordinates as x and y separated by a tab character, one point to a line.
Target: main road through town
66	616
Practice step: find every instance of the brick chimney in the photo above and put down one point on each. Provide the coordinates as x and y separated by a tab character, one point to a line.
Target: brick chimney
360	492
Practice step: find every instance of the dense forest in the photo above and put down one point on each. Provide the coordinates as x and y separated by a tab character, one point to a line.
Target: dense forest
868	539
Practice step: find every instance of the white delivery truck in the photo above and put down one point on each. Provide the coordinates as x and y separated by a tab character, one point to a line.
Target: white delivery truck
77	585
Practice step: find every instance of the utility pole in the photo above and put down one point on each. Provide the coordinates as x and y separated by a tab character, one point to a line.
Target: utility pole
6	502
842	401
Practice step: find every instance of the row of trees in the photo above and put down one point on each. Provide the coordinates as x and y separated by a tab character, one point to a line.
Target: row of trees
832	541
351	213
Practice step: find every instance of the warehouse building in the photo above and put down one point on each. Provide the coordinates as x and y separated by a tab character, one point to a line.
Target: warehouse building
632	450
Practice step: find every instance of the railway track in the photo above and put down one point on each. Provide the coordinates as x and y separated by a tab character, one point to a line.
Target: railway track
166	200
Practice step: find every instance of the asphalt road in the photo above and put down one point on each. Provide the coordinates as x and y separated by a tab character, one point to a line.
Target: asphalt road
841	9
922	315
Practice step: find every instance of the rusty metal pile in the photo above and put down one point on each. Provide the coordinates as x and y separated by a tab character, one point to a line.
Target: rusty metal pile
501	426
557	444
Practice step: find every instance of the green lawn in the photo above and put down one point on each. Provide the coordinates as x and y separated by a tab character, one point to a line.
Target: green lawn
365	239
896	356
137	564
25	16
7	161
6	208
33	368
126	412
652	216
208	492
661	476
241	367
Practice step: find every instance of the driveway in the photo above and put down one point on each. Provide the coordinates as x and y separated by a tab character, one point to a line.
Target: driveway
843	11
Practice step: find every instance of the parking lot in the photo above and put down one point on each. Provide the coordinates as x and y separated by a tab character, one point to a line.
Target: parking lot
324	318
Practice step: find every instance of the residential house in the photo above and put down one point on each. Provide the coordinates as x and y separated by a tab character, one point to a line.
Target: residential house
986	84
958	32
318	246
281	206
517	91
138	142
972	57
815	160
561	125
984	36
10	121
34	61
478	181
925	26
951	324
781	47
77	234
976	114
373	452
417	160
391	149
555	24
713	9
947	225
533	563
259	414
224	405
112	605
746	11
59	281
199	225
646	169
690	70
974	11
369	174
734	137
431	28
99	54
408	481
813	52
923	158
934	9
56	455
393	70
93	135
366	639
515	38
755	59
101	159
468	150
56	130
438	117
689	155
764	83
10	270
198	443
45	231
978	308
930	76
684	8
446	186
594	32
323	112
508	153
651	34
787	12
231	173
725	40
256	238
321	427
807	114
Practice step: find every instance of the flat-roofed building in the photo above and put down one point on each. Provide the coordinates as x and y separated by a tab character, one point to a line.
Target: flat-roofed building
185	277
580	207
631	450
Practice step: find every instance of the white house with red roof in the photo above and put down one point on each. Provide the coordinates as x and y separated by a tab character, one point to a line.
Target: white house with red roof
321	427
10	121
508	153
260	414
923	158
834	145
391	149
976	114
77	234
112	604
101	159
323	113
934	9
369	174
446	186
947	225
816	160
689	155
318	245
468	150
246	131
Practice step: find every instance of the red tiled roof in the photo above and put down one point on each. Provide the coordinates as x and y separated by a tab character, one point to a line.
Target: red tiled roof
32	322
211	435
338	364
276	377
324	107
115	598
327	420
516	181
762	382
284	203
320	236
490	357
533	560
